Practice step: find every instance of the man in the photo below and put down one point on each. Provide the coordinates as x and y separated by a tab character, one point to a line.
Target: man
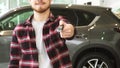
36	42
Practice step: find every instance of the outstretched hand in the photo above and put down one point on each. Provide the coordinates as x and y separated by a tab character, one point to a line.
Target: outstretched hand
67	31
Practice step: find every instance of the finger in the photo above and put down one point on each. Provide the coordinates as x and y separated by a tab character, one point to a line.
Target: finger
66	34
66	31
62	22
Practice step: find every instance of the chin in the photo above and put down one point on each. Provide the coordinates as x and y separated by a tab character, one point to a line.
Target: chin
41	10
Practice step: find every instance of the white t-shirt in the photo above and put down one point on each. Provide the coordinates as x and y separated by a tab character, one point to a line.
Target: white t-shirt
44	61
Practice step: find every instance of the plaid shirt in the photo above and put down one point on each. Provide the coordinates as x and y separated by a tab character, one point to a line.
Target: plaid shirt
24	54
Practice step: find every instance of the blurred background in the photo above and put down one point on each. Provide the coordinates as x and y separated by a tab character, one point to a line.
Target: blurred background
114	4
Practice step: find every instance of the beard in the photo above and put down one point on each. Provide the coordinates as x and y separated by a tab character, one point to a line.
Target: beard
40	9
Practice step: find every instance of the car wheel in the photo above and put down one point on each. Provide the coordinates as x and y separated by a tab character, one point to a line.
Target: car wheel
95	60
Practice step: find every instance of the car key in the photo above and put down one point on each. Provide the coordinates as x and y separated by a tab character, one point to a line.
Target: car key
60	28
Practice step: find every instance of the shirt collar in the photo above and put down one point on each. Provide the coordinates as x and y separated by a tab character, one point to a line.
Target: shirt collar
51	18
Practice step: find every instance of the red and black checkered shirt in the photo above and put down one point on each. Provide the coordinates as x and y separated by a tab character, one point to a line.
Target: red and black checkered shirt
23	51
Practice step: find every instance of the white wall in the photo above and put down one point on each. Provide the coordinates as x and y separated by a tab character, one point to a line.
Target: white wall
62	1
115	3
94	2
106	3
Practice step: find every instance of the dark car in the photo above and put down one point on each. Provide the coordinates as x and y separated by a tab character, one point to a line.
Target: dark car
96	43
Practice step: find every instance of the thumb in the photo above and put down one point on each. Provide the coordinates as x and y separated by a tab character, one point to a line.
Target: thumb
62	23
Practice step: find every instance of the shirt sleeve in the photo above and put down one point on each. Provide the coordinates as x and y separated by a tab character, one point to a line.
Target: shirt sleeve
15	52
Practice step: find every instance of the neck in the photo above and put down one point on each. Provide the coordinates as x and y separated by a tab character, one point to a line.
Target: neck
41	16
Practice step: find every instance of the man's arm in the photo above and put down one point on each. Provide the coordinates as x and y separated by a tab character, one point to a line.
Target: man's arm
15	52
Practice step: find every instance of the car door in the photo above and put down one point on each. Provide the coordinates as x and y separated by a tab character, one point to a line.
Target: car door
80	20
86	22
7	24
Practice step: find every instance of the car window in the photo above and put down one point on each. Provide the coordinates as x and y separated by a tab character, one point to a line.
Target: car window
84	18
67	13
10	22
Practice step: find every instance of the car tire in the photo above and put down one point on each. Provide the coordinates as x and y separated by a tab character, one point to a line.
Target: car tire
95	60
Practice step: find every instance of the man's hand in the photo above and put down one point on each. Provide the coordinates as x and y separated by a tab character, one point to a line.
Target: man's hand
67	31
